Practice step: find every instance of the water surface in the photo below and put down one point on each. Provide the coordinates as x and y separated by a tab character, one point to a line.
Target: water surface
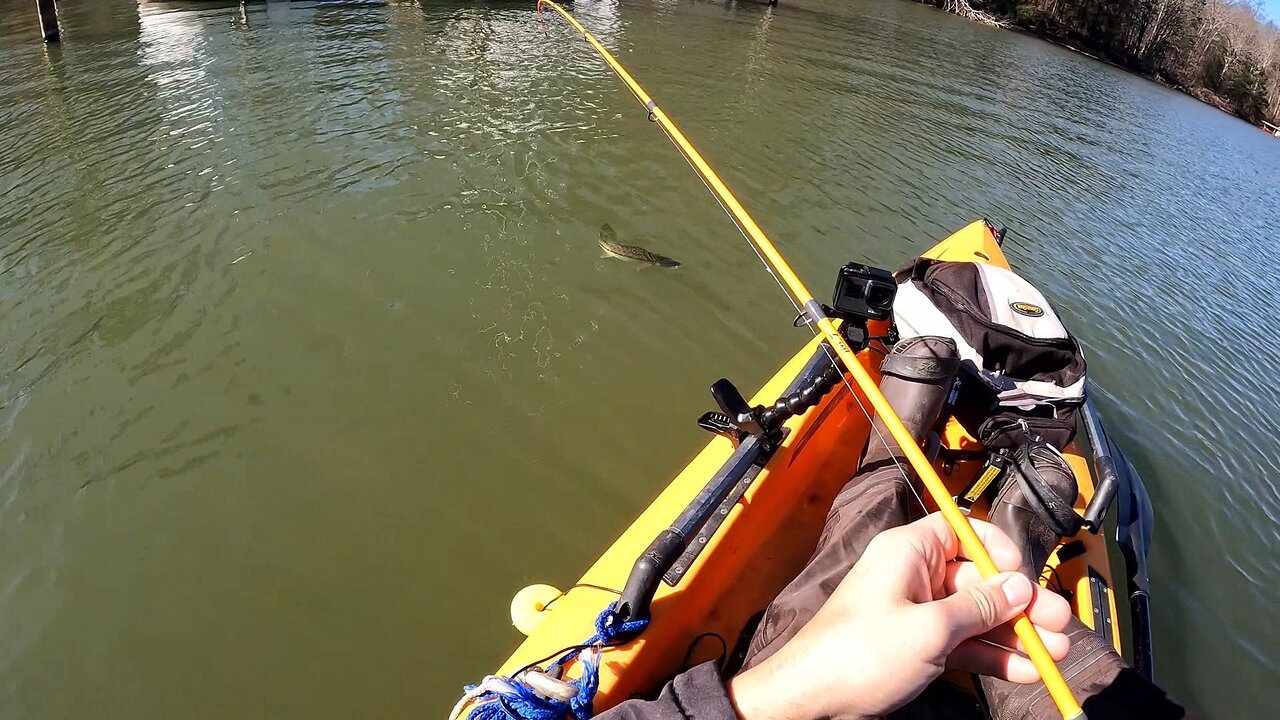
309	359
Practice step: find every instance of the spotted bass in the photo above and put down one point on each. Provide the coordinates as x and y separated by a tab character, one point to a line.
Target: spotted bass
609	243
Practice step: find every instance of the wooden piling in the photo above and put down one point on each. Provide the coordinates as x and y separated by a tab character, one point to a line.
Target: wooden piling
48	12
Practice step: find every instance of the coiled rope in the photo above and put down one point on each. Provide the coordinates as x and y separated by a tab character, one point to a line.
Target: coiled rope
541	693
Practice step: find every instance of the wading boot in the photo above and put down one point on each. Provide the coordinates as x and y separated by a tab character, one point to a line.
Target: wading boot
1034	506
917	377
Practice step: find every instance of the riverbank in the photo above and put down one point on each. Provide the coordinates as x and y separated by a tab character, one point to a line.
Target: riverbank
1216	52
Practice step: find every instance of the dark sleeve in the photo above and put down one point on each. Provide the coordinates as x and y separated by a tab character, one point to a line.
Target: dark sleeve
1129	696
696	694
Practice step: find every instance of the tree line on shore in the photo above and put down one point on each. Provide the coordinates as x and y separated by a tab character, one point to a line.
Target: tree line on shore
1220	51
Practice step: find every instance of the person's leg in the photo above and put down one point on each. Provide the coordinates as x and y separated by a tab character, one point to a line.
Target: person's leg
917	377
1105	686
1099	678
866	506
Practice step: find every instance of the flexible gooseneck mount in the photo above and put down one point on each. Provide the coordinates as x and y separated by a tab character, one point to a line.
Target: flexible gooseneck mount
737	420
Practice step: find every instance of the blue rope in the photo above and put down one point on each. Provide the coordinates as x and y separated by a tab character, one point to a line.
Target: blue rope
522	703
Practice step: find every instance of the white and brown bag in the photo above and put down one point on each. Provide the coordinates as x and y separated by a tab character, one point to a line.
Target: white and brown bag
1024	372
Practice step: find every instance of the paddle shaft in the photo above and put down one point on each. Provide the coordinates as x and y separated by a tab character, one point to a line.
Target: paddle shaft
973	547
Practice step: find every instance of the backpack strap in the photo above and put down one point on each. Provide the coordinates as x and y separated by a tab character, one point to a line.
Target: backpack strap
1056	512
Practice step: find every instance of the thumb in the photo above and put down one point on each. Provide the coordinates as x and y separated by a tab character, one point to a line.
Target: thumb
985	606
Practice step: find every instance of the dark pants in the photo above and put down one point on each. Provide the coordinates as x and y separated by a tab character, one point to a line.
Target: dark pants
871	502
879	498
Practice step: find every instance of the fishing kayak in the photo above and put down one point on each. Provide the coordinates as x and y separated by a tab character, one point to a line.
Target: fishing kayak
750	516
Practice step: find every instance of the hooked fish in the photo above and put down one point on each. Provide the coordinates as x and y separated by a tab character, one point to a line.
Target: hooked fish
609	243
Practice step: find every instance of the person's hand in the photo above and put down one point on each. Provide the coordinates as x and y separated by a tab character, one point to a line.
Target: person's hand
908	610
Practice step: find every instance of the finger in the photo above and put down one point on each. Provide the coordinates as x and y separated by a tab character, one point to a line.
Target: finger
1003	551
900	566
1047	608
1004	636
934	531
979	657
979	608
961	574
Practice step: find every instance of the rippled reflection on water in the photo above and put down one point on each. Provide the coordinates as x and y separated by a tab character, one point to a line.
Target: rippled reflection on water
308	358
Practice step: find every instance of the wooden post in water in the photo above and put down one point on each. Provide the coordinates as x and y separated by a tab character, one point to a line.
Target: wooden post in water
48	12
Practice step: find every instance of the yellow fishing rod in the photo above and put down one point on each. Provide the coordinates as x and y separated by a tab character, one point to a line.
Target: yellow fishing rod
973	547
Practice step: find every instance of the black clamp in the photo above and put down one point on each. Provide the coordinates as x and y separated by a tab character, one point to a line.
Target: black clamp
737	420
854	331
650	107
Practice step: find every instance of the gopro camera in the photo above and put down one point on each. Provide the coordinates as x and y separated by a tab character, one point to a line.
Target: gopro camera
863	293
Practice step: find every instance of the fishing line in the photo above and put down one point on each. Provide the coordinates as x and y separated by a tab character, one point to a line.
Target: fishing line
871	421
799	295
844	378
827	349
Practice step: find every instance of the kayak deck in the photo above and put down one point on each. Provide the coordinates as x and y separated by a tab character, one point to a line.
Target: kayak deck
768	534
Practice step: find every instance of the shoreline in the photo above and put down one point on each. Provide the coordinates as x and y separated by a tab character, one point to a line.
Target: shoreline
1211	99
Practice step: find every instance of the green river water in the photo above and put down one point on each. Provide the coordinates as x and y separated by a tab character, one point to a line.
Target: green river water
309	359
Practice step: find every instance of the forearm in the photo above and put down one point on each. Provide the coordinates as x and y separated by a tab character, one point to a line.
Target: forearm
700	694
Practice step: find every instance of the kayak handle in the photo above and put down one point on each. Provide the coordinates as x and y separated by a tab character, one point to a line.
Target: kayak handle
1105	465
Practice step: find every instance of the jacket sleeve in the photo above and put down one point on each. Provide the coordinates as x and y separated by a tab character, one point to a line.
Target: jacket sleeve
696	694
